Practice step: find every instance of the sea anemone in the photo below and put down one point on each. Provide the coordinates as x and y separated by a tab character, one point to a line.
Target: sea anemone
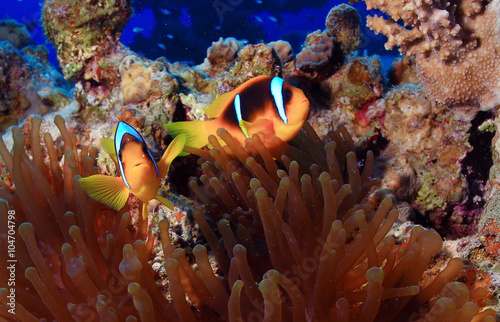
300	239
299	224
81	260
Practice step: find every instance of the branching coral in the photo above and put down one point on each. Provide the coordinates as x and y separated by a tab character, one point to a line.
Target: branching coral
456	44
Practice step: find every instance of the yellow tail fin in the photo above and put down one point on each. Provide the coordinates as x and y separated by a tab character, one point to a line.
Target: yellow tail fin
110	191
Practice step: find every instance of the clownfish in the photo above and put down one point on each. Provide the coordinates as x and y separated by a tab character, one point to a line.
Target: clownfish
264	105
140	174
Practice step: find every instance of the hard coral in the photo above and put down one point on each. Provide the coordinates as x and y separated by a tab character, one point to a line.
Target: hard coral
253	60
140	80
356	83
17	34
221	55
28	84
79	30
317	51
343	22
456	44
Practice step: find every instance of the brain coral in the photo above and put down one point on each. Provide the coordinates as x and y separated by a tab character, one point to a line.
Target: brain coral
456	44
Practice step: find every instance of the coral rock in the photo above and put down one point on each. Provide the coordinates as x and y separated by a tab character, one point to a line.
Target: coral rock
253	60
221	55
403	71
343	22
317	52
140	80
28	84
431	148
16	33
358	82
283	49
79	30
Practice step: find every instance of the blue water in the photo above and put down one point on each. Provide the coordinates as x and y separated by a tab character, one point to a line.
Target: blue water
183	30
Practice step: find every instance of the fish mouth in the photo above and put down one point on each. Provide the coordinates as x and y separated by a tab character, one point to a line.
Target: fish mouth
305	101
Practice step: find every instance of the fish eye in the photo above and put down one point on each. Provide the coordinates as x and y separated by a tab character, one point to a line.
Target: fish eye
144	148
287	95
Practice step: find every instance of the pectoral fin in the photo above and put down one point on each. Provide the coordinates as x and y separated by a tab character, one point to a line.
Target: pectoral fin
110	191
173	150
165	202
262	126
108	145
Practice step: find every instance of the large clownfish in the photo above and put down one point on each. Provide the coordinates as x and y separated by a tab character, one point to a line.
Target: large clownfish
264	105
140	174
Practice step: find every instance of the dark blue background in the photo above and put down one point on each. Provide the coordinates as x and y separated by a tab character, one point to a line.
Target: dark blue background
183	30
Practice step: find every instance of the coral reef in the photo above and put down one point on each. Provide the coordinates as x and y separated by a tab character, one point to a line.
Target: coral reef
304	234
17	34
403	71
140	81
283	49
81	30
456	45
252	60
221	55
357	83
343	23
317	52
28	84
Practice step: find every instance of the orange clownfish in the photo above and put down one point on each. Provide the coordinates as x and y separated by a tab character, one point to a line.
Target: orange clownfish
140	174
264	105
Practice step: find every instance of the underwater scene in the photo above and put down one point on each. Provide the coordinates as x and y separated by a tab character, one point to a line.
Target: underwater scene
249	160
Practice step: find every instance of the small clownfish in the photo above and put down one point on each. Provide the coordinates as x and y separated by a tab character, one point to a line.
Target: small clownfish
140	174
264	105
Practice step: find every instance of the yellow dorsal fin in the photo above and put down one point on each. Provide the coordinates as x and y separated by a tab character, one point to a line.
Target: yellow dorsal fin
219	105
165	202
175	147
110	191
108	145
